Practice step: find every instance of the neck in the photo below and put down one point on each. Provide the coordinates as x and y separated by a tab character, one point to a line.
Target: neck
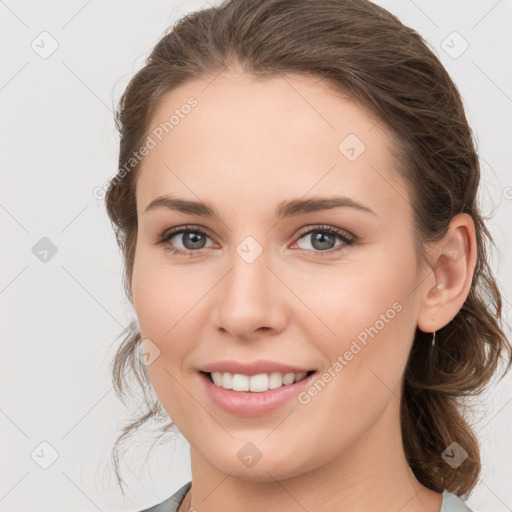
370	474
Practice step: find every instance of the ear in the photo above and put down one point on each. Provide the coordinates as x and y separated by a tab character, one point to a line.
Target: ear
447	286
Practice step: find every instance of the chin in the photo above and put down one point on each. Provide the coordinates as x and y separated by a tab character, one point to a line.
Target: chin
267	469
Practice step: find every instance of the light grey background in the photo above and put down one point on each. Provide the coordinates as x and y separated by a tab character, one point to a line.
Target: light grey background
60	318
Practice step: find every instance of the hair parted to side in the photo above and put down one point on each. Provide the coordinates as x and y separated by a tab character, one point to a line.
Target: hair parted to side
367	54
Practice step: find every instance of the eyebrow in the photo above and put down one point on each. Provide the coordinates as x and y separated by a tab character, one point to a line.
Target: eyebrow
288	208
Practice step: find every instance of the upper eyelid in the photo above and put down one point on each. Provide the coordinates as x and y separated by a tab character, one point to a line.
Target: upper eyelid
342	233
325	227
183	229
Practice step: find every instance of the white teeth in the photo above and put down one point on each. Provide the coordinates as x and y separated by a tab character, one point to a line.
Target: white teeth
226	380
240	382
258	383
275	381
288	378
217	378
255	383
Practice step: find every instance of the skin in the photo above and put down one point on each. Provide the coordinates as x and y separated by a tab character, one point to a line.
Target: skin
247	146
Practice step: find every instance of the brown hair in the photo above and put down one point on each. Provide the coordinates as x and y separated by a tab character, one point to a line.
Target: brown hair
363	51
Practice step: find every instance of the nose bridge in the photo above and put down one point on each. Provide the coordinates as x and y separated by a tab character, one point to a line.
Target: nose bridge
248	280
249	298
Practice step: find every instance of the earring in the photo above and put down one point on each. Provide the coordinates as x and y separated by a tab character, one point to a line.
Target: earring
433	339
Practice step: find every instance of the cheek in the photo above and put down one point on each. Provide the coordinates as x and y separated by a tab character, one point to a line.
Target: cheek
162	295
343	302
367	315
169	301
366	356
164	306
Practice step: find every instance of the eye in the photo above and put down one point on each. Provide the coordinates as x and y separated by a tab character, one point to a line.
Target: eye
193	239
323	239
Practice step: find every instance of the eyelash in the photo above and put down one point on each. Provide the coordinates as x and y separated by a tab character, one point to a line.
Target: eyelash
345	237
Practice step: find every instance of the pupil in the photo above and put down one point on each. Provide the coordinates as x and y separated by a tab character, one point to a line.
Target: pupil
193	241
319	241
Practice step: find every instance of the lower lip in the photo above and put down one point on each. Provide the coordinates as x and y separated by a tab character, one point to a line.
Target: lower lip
245	403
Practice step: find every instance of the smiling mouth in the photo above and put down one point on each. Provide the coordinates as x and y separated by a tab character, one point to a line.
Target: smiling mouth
255	383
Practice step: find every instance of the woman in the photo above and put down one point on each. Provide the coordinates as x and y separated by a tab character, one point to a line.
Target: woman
296	204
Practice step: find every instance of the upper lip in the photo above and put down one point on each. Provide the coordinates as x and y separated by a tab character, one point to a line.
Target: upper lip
252	368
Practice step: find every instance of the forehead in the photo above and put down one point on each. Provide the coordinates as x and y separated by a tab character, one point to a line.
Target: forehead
263	140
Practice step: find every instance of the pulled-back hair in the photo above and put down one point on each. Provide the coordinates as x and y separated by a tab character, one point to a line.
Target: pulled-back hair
367	54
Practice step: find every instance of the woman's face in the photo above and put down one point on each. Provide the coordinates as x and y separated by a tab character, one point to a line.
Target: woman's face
264	281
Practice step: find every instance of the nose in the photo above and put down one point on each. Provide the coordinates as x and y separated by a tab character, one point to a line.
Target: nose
251	300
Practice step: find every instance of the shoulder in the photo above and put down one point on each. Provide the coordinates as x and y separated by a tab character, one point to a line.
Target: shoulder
452	503
171	504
